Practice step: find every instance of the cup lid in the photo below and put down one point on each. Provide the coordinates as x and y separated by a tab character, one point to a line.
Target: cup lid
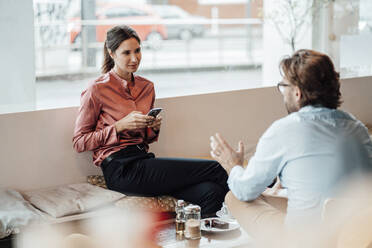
192	209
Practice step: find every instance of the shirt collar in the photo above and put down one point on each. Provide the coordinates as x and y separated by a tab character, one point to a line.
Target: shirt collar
310	108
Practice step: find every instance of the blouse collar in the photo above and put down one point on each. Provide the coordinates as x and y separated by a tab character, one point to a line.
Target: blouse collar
123	81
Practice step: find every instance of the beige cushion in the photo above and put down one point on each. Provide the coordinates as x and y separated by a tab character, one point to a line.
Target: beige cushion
71	199
15	212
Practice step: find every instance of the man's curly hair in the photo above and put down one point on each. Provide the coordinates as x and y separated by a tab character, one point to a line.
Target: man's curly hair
315	75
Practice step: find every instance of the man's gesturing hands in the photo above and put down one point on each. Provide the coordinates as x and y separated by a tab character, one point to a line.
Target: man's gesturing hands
225	154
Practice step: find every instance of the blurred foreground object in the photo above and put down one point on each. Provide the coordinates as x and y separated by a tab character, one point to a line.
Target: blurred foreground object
113	228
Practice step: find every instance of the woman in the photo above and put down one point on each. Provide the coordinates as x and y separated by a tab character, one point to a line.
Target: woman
112	122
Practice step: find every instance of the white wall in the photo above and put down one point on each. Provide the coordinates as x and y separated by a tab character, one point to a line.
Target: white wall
17	66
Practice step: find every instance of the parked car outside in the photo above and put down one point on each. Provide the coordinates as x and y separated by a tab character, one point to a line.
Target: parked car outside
148	30
180	31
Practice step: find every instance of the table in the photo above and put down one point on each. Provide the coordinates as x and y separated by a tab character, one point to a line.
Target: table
167	238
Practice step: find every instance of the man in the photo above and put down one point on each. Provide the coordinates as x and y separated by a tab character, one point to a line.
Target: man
311	151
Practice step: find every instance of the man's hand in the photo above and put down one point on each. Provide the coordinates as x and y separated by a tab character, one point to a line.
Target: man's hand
155	125
225	154
276	190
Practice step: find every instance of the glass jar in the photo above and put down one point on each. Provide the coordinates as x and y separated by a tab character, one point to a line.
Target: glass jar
192	217
180	217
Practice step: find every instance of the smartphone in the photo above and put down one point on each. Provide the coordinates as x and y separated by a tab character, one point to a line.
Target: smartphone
154	112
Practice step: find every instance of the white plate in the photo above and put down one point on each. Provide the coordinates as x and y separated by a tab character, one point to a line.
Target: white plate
232	226
225	217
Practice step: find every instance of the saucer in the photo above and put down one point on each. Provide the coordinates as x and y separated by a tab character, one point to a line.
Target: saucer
232	226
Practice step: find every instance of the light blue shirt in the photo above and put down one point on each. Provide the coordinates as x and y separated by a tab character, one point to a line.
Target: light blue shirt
310	150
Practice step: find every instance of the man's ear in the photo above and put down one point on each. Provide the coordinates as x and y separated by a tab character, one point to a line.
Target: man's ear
298	93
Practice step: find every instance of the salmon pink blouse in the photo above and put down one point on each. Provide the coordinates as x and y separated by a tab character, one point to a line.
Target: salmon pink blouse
107	100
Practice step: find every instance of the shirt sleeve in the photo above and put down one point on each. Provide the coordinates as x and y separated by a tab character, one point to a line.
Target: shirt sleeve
247	184
151	135
86	137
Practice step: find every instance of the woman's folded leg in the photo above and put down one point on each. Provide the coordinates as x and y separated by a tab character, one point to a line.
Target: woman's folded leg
162	176
202	182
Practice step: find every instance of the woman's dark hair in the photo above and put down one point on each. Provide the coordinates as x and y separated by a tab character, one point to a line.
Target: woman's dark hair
115	36
315	75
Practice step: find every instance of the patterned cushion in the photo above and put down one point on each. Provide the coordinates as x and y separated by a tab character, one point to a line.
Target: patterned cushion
97	180
155	204
167	203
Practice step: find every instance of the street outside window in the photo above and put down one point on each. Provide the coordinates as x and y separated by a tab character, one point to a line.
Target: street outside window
195	46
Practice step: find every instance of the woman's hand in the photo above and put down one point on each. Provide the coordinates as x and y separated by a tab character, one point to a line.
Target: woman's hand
134	120
225	154
155	125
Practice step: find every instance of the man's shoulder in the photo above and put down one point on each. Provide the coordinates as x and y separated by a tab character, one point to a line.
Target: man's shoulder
280	127
291	123
291	119
321	113
309	118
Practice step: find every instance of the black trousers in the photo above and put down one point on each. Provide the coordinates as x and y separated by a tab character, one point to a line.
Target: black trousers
133	171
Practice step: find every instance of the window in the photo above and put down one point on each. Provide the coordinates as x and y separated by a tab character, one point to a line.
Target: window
115	13
123	12
137	12
196	46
